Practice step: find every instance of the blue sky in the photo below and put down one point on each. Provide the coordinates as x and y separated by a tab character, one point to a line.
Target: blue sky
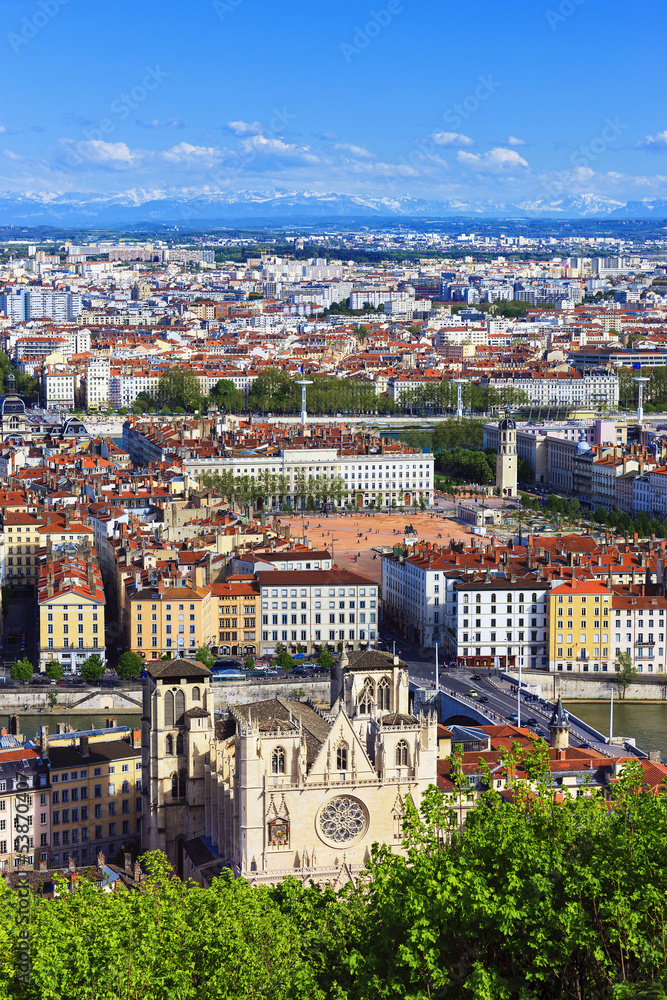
514	102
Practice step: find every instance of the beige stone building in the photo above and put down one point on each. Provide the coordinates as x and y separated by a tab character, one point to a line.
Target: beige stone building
279	788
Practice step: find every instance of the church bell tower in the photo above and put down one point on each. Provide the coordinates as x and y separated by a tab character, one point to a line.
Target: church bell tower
506	459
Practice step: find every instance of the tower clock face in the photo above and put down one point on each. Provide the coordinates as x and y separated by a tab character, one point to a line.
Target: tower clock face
279	832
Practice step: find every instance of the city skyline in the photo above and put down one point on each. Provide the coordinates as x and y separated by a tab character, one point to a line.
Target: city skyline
382	104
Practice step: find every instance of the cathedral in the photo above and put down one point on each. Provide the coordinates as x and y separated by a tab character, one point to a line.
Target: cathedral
278	787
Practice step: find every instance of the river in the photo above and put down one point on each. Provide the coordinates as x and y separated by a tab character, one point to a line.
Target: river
30	723
646	723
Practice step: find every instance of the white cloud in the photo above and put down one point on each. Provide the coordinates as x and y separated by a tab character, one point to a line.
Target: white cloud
3	128
276	147
11	155
153	123
450	139
513	141
655	143
495	160
349	147
185	152
112	154
244	128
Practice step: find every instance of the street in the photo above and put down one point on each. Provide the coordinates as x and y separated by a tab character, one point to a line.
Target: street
501	700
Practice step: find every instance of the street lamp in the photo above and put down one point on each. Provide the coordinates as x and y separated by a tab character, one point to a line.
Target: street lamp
304	415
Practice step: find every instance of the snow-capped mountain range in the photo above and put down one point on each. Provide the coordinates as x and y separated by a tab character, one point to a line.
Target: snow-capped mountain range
145	206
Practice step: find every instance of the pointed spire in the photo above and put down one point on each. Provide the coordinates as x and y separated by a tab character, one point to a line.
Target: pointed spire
560	719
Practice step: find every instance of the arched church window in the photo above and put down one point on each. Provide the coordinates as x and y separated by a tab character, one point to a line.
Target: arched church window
383	694
170	747
278	761
182	776
341	757
174	786
402	754
179	745
366	698
168	709
180	708
195	694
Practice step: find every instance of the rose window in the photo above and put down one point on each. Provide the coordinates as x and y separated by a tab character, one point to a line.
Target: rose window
342	820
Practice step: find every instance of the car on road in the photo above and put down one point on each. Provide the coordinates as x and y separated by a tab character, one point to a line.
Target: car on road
513	717
472	693
532	721
300	672
484	698
476	677
268	672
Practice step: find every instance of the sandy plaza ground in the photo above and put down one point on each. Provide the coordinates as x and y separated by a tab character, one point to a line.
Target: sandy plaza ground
356	534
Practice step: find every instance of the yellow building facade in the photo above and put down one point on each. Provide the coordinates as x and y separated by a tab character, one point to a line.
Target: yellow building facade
168	620
579	627
71	604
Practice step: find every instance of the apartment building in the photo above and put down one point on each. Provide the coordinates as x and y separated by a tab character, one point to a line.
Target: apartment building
579	626
314	607
560	388
24	806
96	800
395	478
57	388
71	603
236	603
639	627
97	383
168	620
500	623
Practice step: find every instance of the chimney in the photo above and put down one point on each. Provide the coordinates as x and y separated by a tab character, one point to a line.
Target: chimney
137	871
654	756
44	741
42	866
128	863
72	864
111	723
101	860
14	725
84	746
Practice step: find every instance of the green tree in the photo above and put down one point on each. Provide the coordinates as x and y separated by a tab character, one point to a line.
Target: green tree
22	670
52	699
226	396
249	662
284	660
54	670
179	387
205	656
129	665
625	672
92	668
325	659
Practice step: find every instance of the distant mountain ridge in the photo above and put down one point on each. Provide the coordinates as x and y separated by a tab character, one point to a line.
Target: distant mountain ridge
130	207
